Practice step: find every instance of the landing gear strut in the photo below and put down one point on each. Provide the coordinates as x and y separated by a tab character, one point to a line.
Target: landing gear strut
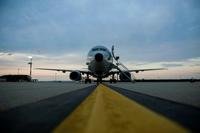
113	80
88	80
99	80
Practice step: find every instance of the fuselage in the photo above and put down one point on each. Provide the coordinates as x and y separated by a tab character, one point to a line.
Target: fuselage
99	61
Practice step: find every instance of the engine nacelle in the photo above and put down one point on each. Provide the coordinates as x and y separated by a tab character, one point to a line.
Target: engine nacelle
123	77
75	75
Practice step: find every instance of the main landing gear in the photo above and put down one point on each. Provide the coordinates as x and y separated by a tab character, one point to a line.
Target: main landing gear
88	80
113	80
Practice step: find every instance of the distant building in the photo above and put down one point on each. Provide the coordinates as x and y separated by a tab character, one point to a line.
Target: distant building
15	78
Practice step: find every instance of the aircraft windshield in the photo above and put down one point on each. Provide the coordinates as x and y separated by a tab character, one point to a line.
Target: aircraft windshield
105	51
98	49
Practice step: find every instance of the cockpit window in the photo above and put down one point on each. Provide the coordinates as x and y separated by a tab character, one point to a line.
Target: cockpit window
95	49
98	49
102	49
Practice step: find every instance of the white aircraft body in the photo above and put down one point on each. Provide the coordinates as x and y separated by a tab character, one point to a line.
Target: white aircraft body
100	62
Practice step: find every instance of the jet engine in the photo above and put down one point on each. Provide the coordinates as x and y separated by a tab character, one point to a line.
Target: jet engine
124	76
75	75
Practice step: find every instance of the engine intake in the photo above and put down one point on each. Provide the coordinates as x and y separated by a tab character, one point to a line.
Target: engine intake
75	75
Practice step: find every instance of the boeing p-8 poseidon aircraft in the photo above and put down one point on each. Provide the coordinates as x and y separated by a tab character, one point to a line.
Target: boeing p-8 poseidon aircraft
100	62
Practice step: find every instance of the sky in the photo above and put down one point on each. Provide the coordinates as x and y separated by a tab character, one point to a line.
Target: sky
58	34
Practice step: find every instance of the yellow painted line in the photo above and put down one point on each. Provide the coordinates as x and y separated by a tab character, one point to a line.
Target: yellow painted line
106	111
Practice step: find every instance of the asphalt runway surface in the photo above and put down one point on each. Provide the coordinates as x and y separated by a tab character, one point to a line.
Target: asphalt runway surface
43	106
181	92
13	94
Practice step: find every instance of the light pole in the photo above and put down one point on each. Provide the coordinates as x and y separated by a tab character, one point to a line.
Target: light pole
30	63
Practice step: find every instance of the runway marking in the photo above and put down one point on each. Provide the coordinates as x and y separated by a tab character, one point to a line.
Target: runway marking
186	115
106	111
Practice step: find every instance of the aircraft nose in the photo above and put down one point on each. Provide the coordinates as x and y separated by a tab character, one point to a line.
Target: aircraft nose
98	57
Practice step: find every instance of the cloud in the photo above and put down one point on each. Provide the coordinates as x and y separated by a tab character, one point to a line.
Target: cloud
187	68
17	62
172	65
158	33
67	25
19	58
175	63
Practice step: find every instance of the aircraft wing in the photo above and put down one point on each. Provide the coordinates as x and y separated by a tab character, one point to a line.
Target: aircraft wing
139	70
65	70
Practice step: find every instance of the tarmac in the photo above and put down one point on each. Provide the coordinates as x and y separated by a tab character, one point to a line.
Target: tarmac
13	94
88	108
181	92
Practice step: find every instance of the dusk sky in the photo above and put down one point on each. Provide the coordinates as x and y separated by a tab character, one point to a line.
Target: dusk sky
58	34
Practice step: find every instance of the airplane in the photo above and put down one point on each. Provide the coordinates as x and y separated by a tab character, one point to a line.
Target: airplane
100	63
